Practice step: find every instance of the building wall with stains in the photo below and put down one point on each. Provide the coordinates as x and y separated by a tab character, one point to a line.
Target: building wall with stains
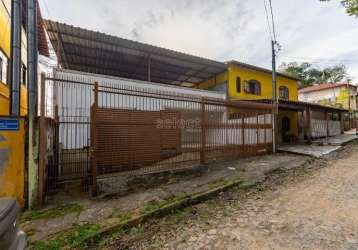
12	163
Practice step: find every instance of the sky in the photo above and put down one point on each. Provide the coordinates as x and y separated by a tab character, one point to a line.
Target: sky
307	30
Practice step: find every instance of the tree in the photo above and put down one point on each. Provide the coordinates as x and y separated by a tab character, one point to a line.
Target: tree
310	75
350	5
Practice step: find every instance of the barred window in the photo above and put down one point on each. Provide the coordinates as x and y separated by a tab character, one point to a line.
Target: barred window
284	93
253	87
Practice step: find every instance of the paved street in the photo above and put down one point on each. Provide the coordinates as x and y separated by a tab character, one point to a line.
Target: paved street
316	209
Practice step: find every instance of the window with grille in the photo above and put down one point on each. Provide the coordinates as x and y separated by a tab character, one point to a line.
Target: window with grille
284	93
253	87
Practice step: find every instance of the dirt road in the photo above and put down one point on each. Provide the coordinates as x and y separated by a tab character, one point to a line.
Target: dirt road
314	210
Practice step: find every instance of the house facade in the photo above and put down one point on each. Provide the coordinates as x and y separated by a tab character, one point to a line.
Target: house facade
247	82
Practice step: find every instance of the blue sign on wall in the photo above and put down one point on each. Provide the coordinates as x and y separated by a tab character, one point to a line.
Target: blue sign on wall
9	124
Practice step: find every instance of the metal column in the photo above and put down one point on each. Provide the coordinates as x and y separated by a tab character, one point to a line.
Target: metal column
15	56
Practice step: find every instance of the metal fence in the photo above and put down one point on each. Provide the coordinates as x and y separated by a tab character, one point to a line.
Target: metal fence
100	130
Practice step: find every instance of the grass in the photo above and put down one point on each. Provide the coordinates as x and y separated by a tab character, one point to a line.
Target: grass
56	212
71	239
154	205
120	214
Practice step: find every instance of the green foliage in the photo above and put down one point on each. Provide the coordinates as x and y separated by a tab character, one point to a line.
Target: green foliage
310	74
350	5
56	212
154	205
121	215
72	239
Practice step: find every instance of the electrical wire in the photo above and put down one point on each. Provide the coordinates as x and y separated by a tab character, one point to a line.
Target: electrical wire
273	22
268	22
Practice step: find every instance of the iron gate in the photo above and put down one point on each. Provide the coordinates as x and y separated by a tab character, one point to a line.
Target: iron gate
95	130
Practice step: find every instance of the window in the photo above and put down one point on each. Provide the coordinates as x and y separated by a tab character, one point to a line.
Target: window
3	67
284	94
253	87
238	84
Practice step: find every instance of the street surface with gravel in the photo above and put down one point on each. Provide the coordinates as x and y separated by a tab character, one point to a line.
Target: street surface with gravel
312	208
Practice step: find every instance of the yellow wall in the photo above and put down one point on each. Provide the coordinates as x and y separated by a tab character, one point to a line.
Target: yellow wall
245	74
12	163
5	27
265	79
266	84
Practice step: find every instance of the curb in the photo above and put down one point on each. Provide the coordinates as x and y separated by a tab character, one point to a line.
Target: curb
167	209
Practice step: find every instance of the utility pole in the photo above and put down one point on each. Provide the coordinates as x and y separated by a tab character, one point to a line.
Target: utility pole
32	76
274	96
16	7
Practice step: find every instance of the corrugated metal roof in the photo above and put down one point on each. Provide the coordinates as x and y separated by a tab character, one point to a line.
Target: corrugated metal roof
95	52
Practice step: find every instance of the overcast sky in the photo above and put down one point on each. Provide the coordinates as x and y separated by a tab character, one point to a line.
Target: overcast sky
308	30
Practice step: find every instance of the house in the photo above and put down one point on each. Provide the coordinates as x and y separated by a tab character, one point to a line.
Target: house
108	95
243	81
340	95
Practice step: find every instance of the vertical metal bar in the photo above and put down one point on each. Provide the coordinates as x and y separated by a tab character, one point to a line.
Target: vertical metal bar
42	148
203	132
16	7
94	141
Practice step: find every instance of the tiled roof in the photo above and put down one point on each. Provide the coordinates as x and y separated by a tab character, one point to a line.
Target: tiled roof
323	86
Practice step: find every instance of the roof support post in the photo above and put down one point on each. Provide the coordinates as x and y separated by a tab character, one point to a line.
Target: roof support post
309	128
341	119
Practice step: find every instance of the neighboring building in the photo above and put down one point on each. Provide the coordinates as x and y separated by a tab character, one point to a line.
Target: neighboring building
331	94
5	47
248	82
338	95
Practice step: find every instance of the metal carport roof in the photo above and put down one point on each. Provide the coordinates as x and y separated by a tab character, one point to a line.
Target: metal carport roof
89	51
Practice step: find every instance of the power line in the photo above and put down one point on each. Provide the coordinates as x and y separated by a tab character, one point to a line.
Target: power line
318	59
273	22
268	21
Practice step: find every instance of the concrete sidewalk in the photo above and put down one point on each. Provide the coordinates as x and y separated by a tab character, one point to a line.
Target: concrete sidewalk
319	147
69	212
